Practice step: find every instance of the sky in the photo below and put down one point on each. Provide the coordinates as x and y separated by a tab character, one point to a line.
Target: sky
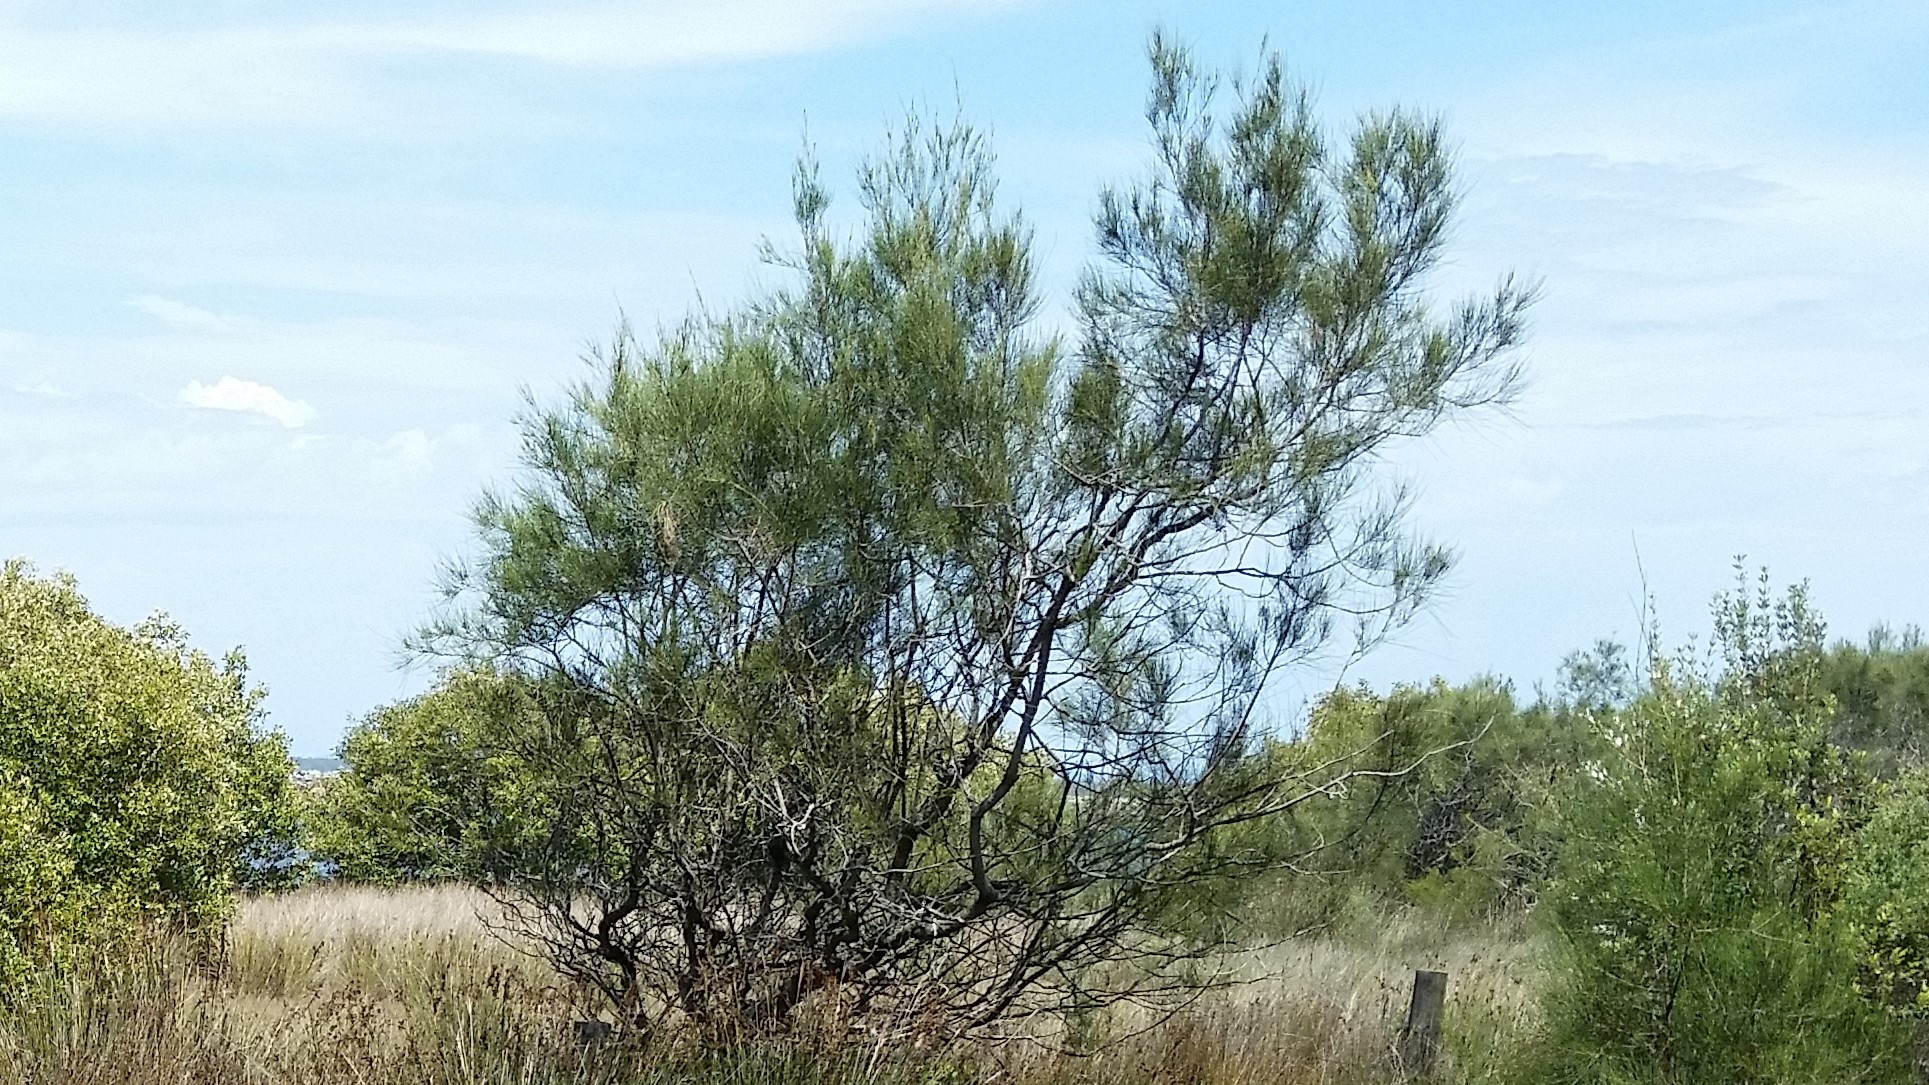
276	278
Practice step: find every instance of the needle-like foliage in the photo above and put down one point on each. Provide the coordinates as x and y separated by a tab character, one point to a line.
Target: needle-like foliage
900	661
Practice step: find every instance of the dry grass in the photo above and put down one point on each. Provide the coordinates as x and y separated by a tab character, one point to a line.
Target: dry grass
1327	1009
388	942
335	986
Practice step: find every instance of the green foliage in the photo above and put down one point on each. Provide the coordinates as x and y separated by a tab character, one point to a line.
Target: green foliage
425	793
1886	898
1881	690
38	893
135	782
1699	875
1457	810
1598	679
881	644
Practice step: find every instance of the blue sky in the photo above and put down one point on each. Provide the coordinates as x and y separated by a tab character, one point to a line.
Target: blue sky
274	276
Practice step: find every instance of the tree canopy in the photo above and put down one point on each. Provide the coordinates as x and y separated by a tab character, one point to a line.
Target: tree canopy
887	645
427	792
135	778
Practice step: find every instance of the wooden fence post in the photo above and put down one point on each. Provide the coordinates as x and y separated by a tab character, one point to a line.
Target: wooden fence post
1419	1042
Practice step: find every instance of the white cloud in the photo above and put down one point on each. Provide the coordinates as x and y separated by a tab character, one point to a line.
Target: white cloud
646	35
43	389
178	316
231	394
317	71
413	450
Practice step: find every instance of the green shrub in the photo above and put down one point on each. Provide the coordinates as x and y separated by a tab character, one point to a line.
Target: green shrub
1460	813
1881	689
424	794
1886	898
1699	874
135	781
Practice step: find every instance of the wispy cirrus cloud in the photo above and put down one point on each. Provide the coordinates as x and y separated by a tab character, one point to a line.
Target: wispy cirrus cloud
322	69
233	394
180	316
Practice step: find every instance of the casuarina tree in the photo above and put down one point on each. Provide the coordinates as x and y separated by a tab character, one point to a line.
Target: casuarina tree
900	659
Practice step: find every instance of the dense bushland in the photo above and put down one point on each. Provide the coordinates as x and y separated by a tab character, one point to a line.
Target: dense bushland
430	794
866	685
1699	889
1709	884
1690	878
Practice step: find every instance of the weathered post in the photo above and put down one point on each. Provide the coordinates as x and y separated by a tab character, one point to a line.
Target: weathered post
1419	1042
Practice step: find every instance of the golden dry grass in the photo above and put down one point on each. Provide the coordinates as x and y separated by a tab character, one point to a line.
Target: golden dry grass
386	941
1327	1009
333	985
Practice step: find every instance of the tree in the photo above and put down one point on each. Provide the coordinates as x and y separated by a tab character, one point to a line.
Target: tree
1881	690
891	655
426	793
135	780
1701	873
1472	829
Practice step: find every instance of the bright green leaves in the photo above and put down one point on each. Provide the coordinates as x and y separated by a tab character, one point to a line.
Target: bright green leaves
39	895
1886	898
134	780
1701	869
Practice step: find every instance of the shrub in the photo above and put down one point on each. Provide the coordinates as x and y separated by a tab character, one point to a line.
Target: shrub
1884	899
885	646
1459	814
1881	689
1698	877
424	794
135	780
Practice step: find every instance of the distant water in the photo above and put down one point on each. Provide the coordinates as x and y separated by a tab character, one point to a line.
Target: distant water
319	764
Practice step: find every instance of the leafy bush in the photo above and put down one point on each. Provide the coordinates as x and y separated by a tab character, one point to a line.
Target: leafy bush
1886	899
424	794
1881	689
135	781
1457	815
1699	874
